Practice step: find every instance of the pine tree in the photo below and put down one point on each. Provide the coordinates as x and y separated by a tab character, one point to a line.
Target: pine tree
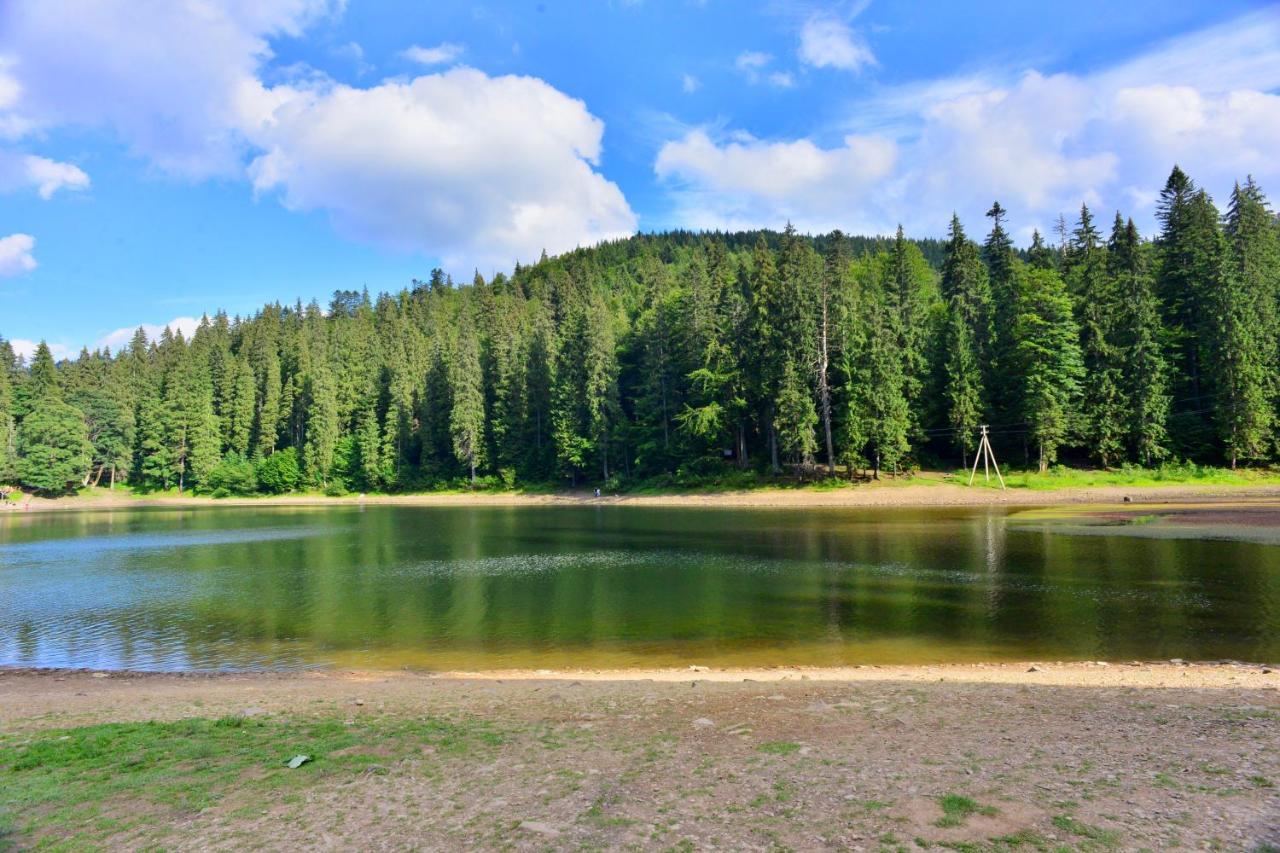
1186	273
53	447
44	383
1139	349
466	420
1243	308
322	432
1104	416
8	425
967	344
795	415
1047	354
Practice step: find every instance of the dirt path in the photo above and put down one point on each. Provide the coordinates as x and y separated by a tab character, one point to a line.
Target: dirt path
926	491
1078	756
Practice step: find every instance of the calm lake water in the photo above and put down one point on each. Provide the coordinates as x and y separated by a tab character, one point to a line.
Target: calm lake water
485	587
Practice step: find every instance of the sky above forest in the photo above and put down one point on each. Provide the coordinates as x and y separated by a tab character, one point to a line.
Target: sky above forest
160	158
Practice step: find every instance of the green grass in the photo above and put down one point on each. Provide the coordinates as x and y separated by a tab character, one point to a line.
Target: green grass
1105	839
83	786
1059	477
778	747
956	809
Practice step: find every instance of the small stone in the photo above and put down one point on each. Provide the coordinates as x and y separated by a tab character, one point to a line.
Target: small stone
693	667
703	723
1101	663
253	711
1034	668
1177	661
359	702
101	675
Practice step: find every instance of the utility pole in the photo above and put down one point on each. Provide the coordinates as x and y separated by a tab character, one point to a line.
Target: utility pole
988	457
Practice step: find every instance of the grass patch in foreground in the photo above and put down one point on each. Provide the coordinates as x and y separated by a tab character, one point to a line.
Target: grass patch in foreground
956	809
88	785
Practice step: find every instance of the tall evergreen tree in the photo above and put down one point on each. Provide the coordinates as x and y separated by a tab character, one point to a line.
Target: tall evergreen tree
967	345
1047	352
1139	347
466	420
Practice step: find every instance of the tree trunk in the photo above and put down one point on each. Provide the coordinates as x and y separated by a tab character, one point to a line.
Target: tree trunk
773	448
472	460
1044	461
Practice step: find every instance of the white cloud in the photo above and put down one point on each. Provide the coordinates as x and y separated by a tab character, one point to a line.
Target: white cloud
15	254
827	42
459	165
441	54
753	65
27	349
1039	143
49	176
165	76
22	171
746	182
690	84
120	338
484	169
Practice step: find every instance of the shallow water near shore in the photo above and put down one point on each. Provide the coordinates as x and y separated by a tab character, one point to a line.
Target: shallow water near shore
470	588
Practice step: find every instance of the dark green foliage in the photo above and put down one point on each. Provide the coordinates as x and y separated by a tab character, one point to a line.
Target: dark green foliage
233	475
53	447
677	356
279	473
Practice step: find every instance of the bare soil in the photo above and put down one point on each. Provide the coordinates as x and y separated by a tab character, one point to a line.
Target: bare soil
1082	756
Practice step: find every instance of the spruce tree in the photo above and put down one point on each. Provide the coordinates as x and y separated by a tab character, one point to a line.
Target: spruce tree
1243	309
1139	346
967	343
467	417
1105	421
53	447
1047	354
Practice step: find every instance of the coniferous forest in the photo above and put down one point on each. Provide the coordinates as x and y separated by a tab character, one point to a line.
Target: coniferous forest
684	355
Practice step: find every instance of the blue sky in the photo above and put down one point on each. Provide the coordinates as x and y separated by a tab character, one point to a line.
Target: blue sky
161	158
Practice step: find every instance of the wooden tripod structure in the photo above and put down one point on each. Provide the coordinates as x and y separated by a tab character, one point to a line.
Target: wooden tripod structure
988	457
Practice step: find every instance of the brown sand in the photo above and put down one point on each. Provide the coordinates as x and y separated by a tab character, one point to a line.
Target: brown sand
1086	756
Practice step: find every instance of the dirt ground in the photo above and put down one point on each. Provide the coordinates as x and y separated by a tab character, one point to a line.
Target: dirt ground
1051	756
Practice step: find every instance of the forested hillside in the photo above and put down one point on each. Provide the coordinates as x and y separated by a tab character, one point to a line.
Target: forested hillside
691	354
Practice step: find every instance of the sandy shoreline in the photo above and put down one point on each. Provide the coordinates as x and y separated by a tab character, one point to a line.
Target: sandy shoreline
1075	756
917	494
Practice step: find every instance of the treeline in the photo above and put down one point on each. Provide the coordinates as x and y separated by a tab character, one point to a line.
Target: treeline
690	354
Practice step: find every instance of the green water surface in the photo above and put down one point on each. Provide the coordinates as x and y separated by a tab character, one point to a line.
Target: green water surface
436	588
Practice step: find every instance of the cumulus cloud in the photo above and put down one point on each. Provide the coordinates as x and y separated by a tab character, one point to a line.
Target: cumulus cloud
49	176
441	54
15	254
745	182
489	169
1041	143
27	171
27	349
827	42
458	165
120	338
166	77
690	84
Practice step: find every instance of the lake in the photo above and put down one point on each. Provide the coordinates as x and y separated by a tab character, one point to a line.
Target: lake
446	588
